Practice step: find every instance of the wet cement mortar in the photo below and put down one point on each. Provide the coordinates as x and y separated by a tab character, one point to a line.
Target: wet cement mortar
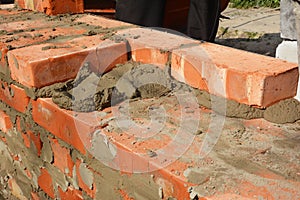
90	91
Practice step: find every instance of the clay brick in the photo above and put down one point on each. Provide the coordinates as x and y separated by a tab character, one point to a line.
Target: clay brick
31	38
20	3
3	60
153	46
37	36
61	7
18	124
101	21
14	96
51	7
235	74
34	67
71	193
45	182
63	123
62	157
26	140
8	12
5	122
24	25
30	138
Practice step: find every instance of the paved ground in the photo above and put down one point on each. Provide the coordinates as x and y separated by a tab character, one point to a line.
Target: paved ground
256	30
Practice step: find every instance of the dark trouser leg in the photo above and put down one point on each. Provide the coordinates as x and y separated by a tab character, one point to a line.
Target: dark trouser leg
203	19
141	12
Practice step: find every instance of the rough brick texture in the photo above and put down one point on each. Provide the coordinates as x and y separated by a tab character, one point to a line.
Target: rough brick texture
52	7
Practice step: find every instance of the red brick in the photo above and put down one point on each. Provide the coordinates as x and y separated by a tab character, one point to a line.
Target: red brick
20	3
107	55
52	7
26	140
62	157
45	183
14	96
152	46
30	138
8	12
37	36
5	122
33	67
32	37
101	21
23	25
3	60
235	74
63	123
18	124
71	194
187	65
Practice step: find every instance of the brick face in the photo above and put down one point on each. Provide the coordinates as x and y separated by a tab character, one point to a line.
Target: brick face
14	96
235	74
62	157
30	138
5	122
34	67
62	123
51	7
45	182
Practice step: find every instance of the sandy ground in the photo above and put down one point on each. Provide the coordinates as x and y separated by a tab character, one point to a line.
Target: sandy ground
256	30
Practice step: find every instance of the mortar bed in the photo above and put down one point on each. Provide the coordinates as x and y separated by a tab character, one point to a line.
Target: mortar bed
244	150
136	81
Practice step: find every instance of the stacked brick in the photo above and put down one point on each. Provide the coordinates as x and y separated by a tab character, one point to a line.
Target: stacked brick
44	151
52	7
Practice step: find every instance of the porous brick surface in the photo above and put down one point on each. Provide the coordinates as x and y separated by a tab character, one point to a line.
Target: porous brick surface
52	7
51	153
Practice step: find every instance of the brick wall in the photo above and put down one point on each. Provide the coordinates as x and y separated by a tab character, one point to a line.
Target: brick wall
52	7
44	148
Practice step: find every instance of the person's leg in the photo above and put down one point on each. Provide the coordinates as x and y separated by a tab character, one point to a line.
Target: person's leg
141	12
203	19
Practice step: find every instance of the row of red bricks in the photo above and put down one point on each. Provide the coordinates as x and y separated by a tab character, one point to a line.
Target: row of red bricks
75	131
238	75
62	160
78	131
52	7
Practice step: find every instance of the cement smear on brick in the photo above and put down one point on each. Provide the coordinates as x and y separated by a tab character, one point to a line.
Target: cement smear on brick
90	91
